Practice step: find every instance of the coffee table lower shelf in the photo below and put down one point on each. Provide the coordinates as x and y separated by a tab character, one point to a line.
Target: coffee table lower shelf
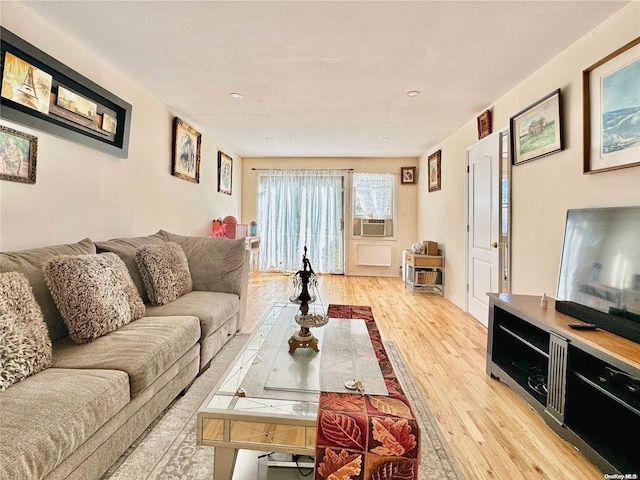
254	432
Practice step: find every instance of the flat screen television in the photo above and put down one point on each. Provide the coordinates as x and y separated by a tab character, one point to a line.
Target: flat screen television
599	280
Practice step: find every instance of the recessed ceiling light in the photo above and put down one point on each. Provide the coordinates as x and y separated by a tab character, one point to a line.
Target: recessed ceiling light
386	139
413	93
235	95
269	139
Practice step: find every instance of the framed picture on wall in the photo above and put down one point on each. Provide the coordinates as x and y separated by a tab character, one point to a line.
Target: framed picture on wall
484	124
536	131
18	152
225	173
407	175
40	92
434	171
611	92
186	151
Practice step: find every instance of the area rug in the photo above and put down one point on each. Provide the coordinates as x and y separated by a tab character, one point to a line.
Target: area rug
168	450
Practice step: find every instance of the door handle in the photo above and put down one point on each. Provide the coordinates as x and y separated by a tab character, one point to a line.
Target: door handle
494	244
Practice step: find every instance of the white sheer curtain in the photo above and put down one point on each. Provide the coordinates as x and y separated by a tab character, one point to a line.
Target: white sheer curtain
298	208
373	194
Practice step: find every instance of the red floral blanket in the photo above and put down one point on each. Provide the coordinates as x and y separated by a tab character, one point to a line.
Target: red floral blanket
367	437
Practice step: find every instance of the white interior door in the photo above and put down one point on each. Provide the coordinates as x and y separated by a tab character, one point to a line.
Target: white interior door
483	270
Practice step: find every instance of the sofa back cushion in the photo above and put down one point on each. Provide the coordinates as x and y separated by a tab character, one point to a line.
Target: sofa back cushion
165	272
94	294
30	263
25	346
215	263
126	248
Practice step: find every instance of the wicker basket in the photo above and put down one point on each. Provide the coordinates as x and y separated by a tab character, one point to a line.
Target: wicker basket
428	261
427	278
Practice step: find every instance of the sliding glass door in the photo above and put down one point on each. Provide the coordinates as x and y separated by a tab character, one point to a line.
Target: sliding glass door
298	208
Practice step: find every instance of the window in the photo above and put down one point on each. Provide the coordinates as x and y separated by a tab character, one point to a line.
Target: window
298	208
373	204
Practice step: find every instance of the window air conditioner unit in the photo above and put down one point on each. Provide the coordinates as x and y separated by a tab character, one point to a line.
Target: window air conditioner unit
372	227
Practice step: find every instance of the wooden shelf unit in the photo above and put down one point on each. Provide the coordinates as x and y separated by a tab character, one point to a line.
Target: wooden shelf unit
583	383
423	273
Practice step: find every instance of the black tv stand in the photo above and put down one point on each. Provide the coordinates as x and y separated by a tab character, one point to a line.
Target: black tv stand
585	384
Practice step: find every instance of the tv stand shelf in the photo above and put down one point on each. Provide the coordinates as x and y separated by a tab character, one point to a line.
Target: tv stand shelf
585	384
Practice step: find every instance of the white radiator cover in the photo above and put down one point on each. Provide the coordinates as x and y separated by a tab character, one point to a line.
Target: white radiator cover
373	255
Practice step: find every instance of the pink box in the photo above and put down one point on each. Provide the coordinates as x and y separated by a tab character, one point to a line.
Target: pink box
237	231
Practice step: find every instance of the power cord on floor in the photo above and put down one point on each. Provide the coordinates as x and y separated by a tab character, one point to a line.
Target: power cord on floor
296	460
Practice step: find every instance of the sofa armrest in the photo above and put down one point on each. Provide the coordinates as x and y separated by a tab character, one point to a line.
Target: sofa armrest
242	310
216	264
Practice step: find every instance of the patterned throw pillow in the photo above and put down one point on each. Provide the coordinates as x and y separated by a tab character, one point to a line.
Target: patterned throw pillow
94	293
25	347
165	272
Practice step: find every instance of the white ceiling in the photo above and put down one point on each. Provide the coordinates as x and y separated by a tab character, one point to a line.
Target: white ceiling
328	78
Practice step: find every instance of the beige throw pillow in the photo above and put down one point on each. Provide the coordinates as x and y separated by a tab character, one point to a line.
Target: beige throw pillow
25	346
165	272
94	293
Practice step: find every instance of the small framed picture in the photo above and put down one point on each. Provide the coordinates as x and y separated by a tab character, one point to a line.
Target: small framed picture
484	124
536	131
611	92
225	173
434	171
18	152
407	175
186	151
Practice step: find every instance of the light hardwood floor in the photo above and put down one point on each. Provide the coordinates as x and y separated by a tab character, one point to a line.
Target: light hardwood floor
492	432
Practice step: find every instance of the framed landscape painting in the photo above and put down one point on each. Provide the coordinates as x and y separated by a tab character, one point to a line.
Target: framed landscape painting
536	131
18	152
611	90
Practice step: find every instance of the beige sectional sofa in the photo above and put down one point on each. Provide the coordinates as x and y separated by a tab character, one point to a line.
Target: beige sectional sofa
74	419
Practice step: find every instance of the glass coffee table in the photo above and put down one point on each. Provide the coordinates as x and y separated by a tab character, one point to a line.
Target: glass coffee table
268	399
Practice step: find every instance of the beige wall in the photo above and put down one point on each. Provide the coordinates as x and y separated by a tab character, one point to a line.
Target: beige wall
543	189
406	208
80	192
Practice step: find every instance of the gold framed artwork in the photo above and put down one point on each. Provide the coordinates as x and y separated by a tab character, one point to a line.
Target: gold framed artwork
18	153
611	99
225	173
434	171
407	175
484	124
536	131
185	162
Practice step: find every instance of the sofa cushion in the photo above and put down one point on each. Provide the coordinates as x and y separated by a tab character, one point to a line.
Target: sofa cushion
143	349
213	309
49	415
165	272
25	346
126	248
94	294
30	263
215	263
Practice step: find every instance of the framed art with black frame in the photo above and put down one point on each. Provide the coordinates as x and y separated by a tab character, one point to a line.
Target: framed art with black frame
536	131
40	92
225	173
611	99
185	160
